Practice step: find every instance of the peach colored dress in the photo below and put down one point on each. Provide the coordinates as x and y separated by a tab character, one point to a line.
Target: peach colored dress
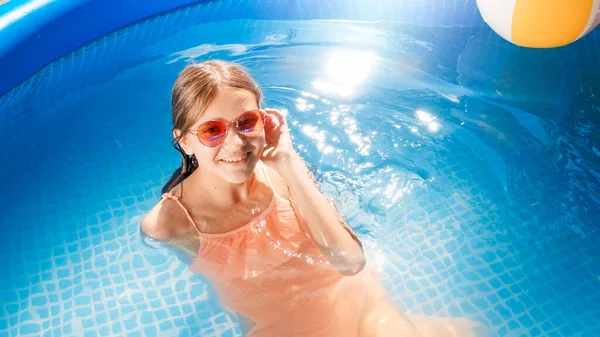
271	272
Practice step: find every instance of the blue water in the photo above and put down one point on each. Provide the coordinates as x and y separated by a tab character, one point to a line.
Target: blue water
469	167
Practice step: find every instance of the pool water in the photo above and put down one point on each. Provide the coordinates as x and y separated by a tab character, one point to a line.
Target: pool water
469	167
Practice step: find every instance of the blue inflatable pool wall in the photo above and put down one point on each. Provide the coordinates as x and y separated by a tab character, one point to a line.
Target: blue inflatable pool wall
33	33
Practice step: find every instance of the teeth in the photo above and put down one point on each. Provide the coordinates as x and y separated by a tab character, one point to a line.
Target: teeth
235	159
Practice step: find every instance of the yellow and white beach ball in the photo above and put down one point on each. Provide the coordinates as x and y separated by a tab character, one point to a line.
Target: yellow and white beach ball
541	23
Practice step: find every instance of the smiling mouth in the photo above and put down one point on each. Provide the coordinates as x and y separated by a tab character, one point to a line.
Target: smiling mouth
236	159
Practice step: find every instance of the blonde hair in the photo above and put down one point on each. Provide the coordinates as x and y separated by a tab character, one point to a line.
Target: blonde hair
195	88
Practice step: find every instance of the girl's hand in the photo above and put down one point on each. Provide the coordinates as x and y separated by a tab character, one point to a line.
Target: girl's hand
278	148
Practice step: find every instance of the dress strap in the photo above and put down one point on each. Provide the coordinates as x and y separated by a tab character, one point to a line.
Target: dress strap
171	196
262	166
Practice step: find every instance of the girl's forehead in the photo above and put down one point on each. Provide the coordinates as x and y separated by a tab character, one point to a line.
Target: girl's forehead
229	104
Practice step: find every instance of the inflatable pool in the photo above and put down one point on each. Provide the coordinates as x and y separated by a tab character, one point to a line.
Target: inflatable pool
468	166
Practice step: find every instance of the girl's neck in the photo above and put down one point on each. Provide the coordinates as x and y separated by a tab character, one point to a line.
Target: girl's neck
219	190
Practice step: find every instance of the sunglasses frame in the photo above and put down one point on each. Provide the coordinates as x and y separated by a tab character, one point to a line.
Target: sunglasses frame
227	124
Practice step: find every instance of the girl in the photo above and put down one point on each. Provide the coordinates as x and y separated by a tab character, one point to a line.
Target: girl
247	211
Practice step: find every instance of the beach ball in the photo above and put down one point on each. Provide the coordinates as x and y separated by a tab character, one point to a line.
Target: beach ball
541	23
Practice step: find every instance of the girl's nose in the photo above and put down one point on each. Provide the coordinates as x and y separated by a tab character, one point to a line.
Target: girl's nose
234	138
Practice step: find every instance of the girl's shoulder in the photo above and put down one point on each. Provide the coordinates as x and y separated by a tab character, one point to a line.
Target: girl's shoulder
166	220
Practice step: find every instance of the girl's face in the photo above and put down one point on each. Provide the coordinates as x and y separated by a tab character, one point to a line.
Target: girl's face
235	159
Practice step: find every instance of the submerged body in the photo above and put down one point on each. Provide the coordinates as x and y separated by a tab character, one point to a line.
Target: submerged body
270	272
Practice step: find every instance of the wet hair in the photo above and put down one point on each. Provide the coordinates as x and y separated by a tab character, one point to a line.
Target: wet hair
195	88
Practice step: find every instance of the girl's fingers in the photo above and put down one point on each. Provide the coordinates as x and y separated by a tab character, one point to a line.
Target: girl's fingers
271	121
279	116
274	121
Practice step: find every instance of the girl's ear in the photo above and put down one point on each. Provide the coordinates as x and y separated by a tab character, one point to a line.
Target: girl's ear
183	141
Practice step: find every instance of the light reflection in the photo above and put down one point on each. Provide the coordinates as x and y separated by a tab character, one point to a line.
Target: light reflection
303	105
395	188
310	95
424	116
16	14
451	97
343	71
428	119
344	108
332	88
319	136
349	66
380	260
200	51
334	116
434	127
351	129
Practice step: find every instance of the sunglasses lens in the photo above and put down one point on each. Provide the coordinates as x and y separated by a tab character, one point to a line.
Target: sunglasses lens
212	133
251	123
